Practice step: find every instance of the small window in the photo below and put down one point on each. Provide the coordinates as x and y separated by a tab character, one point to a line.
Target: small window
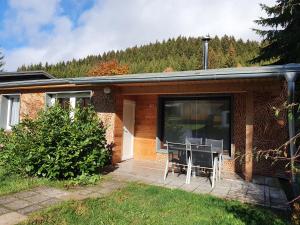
10	111
70	99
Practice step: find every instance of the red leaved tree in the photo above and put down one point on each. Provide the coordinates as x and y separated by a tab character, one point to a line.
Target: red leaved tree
111	67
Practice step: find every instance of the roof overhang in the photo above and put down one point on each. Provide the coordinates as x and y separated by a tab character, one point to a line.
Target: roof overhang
277	72
12	77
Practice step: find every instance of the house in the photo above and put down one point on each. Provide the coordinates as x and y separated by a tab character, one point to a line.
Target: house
143	111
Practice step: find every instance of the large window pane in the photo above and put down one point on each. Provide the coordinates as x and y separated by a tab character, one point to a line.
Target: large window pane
14	111
196	118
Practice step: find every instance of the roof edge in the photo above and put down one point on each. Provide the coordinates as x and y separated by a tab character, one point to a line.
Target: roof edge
211	74
21	73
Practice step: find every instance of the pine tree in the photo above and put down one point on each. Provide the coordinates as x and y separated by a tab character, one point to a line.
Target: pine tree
231	60
1	62
281	42
178	53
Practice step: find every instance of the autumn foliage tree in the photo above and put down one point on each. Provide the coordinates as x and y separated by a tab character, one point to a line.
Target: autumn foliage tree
168	69
111	67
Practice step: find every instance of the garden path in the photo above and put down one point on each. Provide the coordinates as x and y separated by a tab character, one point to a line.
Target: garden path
14	208
264	191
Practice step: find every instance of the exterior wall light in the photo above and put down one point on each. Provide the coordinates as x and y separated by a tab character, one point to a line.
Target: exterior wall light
107	90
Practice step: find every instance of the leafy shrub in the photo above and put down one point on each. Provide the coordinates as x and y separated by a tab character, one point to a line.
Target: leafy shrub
55	145
84	179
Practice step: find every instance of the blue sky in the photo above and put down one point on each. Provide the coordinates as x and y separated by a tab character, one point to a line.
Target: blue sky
70	8
33	31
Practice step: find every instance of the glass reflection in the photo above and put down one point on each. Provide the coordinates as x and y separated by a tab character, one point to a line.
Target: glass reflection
197	118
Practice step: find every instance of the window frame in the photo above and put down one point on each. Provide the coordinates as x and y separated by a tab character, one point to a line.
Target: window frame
72	95
7	115
160	114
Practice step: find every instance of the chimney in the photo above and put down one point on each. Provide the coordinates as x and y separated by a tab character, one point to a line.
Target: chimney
205	41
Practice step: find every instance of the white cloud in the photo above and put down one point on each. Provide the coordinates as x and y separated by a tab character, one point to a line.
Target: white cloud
116	24
26	19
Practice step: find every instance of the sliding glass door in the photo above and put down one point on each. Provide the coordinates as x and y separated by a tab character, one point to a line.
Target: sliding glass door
196	117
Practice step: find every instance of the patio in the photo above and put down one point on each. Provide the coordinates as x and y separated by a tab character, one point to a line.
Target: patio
264	191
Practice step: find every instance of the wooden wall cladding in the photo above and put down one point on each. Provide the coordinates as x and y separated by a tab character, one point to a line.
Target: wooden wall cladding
145	127
118	130
118	127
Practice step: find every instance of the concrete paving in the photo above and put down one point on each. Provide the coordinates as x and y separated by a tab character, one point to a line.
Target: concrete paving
15	208
264	191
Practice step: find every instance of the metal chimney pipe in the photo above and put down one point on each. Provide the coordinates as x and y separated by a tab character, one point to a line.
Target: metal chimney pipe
205	41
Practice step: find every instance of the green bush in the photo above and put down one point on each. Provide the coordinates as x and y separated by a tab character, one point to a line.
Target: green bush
55	145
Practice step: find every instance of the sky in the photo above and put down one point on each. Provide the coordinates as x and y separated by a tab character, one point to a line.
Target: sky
33	31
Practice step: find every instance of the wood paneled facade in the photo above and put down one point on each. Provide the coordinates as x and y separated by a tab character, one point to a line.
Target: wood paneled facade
248	98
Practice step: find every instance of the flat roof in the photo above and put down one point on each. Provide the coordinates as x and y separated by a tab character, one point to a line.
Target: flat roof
279	71
24	76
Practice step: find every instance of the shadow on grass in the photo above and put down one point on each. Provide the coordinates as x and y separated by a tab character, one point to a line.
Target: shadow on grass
249	215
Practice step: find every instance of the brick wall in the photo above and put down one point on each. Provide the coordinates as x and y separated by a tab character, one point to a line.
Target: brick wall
238	135
269	133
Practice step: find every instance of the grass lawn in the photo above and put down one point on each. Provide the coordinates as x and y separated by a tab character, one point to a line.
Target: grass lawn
145	204
13	183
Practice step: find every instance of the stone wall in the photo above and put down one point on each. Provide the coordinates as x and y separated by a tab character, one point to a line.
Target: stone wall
31	104
105	107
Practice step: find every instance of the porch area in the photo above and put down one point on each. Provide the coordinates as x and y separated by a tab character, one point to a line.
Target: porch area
264	191
236	112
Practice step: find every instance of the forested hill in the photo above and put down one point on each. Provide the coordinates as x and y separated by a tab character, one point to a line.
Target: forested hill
177	53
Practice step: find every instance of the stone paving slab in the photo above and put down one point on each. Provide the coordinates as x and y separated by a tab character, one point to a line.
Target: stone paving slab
263	191
51	192
7	199
15	208
25	194
189	187
29	209
12	218
18	204
37	198
3	210
49	202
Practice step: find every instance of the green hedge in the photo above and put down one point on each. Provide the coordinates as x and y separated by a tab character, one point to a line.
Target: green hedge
55	145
